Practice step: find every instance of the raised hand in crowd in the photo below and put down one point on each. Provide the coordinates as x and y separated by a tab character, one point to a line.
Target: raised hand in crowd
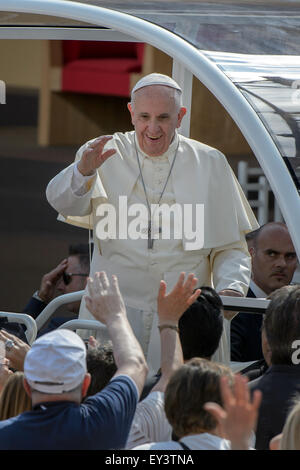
15	350
106	304
49	281
171	306
237	419
104	300
93	343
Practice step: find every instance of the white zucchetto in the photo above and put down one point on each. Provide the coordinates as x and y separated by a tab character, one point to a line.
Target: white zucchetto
156	79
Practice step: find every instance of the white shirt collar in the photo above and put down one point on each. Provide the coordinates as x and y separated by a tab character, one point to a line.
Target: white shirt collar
257	291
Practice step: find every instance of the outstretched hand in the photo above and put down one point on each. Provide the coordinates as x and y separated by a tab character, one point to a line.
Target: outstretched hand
104	299
94	155
171	306
238	417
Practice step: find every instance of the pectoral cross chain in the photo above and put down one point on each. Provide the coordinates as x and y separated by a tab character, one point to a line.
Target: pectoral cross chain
150	239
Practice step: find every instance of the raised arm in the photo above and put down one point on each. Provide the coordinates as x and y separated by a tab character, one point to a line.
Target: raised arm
69	192
105	303
170	308
150	423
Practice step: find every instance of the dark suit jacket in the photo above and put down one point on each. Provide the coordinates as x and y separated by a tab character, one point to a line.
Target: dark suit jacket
280	384
13	328
245	336
34	307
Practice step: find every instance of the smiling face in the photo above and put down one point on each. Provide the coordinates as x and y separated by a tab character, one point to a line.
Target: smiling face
274	258
155	114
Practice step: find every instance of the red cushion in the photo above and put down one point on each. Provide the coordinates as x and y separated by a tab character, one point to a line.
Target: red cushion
106	76
99	65
103	83
90	49
73	50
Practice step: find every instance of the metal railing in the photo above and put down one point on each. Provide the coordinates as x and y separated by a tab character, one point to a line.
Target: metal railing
263	189
27	320
48	311
239	304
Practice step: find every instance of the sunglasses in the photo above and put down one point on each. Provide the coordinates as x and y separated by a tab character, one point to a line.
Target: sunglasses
67	277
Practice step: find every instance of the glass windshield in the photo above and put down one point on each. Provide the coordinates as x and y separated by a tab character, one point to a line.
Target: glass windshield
246	27
271	84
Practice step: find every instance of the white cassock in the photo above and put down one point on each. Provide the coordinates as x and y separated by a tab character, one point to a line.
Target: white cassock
200	175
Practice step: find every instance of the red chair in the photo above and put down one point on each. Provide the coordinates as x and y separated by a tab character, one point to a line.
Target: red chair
86	84
102	68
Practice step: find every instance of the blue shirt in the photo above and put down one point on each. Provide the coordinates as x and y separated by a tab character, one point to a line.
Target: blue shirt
103	421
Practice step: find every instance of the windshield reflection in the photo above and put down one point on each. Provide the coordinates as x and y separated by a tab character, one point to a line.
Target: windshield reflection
271	84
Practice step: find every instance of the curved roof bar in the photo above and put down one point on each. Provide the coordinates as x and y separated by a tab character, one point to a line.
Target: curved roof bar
207	72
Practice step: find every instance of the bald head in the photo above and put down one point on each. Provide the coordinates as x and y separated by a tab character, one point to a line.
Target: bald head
274	259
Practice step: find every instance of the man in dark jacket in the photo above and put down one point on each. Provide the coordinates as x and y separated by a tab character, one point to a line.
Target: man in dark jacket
274	262
68	276
280	384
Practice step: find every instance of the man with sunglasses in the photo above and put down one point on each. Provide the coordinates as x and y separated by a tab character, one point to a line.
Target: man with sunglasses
70	275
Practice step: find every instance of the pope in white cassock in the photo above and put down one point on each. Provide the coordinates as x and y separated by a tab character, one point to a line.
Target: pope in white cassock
119	185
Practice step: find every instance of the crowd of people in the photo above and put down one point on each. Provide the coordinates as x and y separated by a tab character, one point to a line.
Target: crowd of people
60	393
159	374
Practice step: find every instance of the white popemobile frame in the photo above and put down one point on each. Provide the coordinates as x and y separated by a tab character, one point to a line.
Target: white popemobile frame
188	61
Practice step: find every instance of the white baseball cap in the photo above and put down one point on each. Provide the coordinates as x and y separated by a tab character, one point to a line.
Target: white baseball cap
56	362
156	79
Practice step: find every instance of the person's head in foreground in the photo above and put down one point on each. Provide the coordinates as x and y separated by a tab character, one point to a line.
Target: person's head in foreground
101	365
194	384
13	398
290	439
55	368
282	324
201	325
